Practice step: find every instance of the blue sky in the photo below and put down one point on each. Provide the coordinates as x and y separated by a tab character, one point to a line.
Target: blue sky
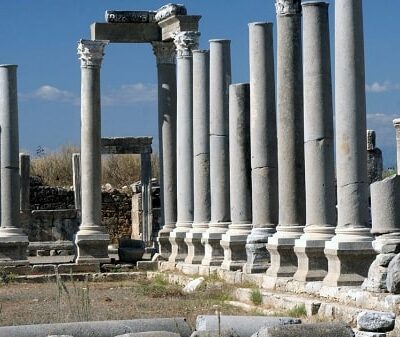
41	37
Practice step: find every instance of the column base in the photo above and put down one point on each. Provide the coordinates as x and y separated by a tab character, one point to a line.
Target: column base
164	245
13	250
179	249
195	247
213	252
92	248
234	244
258	258
348	262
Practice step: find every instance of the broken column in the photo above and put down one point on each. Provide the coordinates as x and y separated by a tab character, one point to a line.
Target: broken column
220	79
201	155
165	53
290	143
396	124
234	240
385	211
374	158
91	240
350	252
264	156
13	241
318	145
185	42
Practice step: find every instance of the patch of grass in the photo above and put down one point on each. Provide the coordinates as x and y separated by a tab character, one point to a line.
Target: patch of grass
158	287
297	311
256	296
6	277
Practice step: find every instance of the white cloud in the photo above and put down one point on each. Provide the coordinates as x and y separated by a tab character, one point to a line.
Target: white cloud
377	87
131	93
50	93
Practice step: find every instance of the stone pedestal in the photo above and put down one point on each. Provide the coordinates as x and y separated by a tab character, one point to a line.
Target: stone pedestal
185	42
165	53
264	156
290	142
91	240
350	252
396	124
13	241
374	158
318	146
234	240
220	78
201	155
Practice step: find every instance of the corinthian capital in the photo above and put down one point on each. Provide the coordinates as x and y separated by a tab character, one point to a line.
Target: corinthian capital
185	42
288	7
91	52
165	52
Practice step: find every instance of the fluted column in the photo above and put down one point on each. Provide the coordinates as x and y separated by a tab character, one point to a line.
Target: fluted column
185	42
91	239
13	241
234	240
318	145
264	155
201	155
350	251
396	124
165	53
290	143
220	79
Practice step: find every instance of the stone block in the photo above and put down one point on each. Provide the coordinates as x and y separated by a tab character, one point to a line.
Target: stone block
358	333
72	268
393	275
178	23
376	321
40	269
306	330
147	265
215	333
193	285
151	334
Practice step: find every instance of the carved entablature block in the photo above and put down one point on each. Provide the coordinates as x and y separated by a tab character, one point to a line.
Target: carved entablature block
170	10
91	52
185	42
112	16
288	7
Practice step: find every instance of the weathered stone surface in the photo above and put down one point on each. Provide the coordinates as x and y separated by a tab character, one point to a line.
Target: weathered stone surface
306	330
376	321
215	333
151	334
359	333
126	32
193	285
170	10
129	16
376	281
126	145
393	275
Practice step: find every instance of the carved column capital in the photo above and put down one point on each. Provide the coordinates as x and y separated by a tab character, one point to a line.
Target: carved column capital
287	7
91	52
185	42
169	10
165	52
396	123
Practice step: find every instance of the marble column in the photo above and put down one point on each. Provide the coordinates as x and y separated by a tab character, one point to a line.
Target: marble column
264	156
318	145
13	241
234	240
290	143
165	53
220	79
350	251
185	42
201	155
91	240
396	124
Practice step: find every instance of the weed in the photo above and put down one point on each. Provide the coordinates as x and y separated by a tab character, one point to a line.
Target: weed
296	311
6	277
158	287
256	296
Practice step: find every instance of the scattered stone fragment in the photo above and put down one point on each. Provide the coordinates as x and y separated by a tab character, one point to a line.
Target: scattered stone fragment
307	330
375	321
359	333
215	333
393	275
193	285
151	334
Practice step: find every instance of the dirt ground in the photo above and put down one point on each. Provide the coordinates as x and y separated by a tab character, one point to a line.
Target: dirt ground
24	303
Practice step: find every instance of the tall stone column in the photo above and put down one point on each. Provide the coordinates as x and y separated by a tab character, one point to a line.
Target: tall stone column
201	155
350	251
318	145
220	79
234	240
290	143
13	241
165	53
91	239
396	124
264	156
185	42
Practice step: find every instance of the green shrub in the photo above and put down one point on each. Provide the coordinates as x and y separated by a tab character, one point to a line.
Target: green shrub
256	296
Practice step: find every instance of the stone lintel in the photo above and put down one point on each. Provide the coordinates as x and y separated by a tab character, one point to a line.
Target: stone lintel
112	16
126	145
178	23
125	32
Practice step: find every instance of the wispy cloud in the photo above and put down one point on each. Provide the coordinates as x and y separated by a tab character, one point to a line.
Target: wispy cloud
377	87
52	94
130	93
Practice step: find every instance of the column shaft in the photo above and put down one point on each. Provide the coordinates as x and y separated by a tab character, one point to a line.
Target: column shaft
350	251
13	242
264	157
396	124
220	79
318	145
234	240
